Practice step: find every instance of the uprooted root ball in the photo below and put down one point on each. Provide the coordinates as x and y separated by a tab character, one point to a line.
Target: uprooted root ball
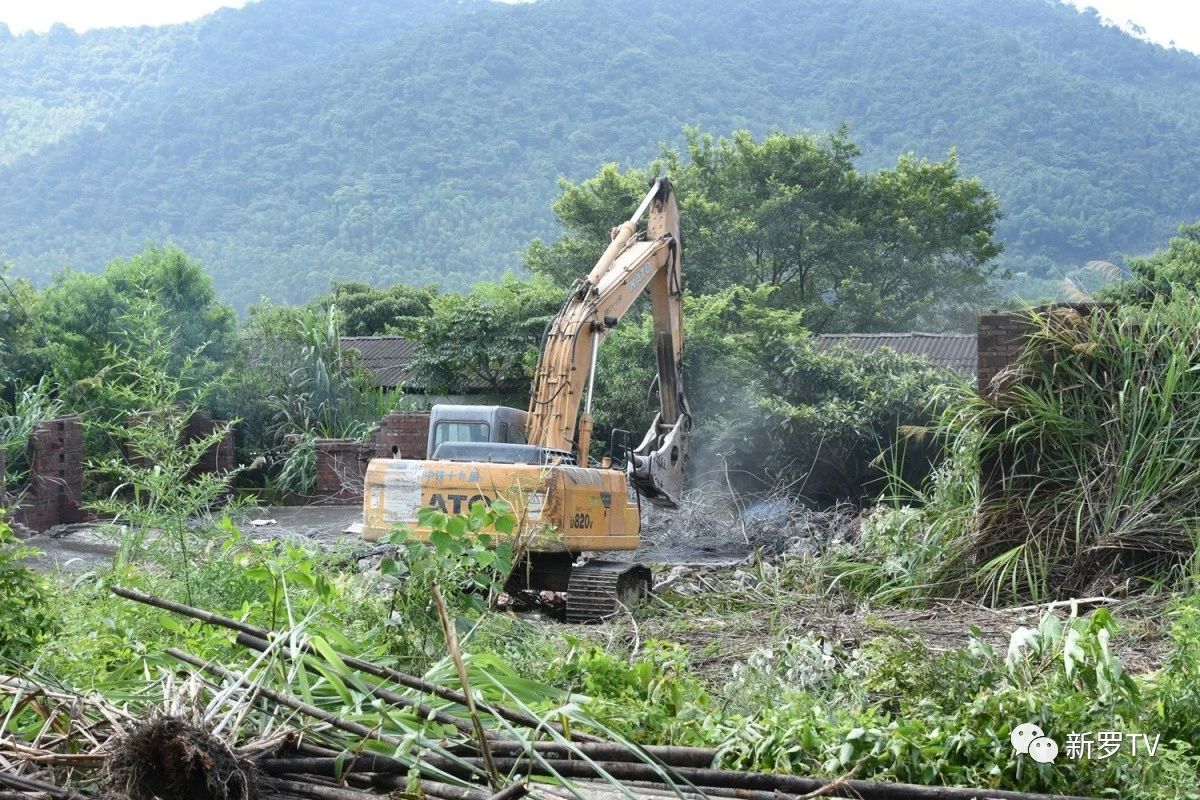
168	759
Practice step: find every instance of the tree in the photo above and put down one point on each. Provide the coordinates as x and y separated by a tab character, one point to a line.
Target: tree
20	332
727	339
1177	268
856	251
768	404
487	337
72	323
367	311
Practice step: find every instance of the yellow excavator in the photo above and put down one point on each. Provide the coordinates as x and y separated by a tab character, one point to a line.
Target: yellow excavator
537	460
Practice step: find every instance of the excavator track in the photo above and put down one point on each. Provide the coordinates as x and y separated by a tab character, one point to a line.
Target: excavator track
599	589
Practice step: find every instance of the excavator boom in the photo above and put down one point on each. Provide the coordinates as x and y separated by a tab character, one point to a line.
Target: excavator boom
631	264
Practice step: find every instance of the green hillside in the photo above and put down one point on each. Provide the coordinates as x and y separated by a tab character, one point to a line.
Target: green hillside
285	146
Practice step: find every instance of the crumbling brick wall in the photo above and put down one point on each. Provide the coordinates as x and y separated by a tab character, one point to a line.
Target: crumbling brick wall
401	434
52	494
342	463
1003	335
221	456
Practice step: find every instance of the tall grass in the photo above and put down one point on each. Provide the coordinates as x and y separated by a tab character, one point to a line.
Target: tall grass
1088	455
32	406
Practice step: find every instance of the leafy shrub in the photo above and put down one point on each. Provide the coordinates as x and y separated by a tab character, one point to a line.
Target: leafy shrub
26	619
824	424
469	556
111	643
896	711
298	472
649	699
156	490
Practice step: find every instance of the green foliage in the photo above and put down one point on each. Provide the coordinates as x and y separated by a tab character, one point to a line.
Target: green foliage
319	387
650	699
823	422
1175	269
34	405
111	644
486	338
368	148
1176	691
155	487
19	359
893	249
366	311
895	710
297	384
73	324
1074	474
298	472
25	598
728	341
468	556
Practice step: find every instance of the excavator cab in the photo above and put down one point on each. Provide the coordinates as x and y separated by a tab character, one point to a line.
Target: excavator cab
487	434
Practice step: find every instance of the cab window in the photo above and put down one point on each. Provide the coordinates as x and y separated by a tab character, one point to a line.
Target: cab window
460	432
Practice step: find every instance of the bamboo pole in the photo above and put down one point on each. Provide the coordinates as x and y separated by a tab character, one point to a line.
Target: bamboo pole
455	653
387	673
50	790
789	784
317	791
426	712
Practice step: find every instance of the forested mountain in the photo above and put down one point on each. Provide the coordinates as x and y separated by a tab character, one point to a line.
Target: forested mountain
293	141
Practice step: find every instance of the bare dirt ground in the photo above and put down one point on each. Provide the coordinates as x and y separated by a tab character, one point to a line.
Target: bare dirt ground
78	548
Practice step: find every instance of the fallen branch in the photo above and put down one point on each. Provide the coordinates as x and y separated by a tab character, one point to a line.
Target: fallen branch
409	681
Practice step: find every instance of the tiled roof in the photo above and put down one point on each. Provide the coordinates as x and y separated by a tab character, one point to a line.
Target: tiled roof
389	359
385	357
956	351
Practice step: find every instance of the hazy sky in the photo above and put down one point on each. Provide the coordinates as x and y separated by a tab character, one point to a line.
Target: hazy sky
1164	20
39	15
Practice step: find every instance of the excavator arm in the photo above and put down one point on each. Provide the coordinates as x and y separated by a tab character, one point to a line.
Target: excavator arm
632	263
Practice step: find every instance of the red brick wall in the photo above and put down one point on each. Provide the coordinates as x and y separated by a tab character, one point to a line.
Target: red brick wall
52	495
218	458
342	463
1001	337
407	431
341	468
